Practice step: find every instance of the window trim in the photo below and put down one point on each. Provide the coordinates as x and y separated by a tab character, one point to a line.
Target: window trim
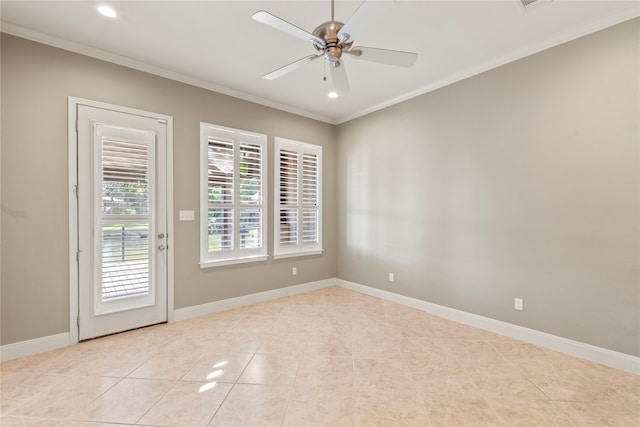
236	255
299	249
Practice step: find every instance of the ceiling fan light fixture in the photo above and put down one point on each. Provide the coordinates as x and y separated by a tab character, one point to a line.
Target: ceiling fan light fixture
333	94
107	11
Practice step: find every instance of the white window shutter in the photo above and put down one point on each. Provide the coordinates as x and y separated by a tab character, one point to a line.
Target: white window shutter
298	198
251	170
288	196
310	202
233	207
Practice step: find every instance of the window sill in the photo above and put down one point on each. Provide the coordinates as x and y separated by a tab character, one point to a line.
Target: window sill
219	263
298	253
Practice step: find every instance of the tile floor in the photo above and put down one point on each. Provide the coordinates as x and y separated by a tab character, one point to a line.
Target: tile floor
325	358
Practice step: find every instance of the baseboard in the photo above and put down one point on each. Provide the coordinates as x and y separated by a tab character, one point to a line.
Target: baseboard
34	346
231	303
575	348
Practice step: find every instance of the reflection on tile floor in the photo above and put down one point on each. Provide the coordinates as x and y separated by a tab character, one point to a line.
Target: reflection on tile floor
331	357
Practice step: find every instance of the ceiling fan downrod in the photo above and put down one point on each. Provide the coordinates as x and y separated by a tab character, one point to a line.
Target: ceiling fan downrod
334	43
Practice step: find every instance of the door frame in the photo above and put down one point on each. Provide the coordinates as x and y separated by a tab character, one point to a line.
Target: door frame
72	166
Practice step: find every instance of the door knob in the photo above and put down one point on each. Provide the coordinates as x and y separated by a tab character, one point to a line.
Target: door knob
161	247
161	236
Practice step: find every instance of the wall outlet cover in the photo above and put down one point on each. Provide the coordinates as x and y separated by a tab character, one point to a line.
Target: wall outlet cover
518	304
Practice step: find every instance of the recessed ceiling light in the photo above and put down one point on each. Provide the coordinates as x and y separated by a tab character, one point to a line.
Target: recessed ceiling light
332	95
107	11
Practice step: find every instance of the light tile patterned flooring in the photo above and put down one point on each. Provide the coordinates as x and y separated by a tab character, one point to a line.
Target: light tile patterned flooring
325	358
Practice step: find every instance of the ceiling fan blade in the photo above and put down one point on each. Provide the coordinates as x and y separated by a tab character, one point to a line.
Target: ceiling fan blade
366	14
384	56
284	26
339	78
290	67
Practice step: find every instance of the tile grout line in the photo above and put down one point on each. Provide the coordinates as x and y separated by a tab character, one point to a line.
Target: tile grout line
234	383
156	401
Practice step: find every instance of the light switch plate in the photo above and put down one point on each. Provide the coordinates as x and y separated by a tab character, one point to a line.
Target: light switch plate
187	216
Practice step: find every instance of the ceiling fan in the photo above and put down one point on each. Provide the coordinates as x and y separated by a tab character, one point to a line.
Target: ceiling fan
332	39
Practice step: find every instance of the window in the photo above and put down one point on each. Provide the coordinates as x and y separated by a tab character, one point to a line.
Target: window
232	203
298	198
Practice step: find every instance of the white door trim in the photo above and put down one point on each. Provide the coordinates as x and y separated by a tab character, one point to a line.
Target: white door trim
72	105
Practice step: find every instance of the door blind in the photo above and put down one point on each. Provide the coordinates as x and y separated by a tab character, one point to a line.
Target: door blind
125	204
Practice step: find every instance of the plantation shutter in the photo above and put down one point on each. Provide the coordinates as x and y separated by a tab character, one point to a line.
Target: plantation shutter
288	179
251	212
220	191
298	198
233	210
310	198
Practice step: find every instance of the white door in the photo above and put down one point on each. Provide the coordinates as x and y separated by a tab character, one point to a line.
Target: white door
122	220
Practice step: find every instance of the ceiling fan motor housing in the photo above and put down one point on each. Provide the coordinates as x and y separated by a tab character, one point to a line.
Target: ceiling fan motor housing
334	45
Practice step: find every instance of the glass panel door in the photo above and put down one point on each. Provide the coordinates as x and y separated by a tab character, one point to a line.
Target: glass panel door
122	220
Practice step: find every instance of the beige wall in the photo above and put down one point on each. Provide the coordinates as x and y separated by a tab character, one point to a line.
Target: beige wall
520	182
36	81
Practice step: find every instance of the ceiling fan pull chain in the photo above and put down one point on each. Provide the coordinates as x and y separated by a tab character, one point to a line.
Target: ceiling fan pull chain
324	79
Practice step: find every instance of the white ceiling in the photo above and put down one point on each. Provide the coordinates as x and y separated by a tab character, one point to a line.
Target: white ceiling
216	44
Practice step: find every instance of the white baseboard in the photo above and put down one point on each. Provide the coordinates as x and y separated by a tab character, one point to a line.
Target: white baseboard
34	346
231	303
611	358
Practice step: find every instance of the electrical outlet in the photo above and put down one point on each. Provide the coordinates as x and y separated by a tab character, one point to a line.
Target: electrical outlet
294	271
391	278
518	304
